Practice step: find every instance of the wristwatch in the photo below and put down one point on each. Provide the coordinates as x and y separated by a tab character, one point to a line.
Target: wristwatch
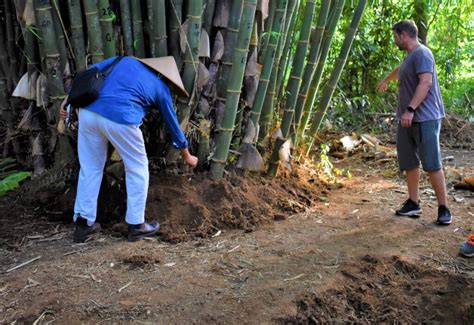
410	109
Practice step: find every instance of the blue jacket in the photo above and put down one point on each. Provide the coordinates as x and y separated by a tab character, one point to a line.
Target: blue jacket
129	91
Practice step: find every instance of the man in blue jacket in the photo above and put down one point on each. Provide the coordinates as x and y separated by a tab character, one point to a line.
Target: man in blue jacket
131	88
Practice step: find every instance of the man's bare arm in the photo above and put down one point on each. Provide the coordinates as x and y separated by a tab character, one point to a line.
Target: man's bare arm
383	85
425	80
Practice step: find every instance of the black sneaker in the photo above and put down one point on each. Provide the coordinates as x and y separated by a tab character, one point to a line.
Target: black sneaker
444	216
135	233
409	209
84	231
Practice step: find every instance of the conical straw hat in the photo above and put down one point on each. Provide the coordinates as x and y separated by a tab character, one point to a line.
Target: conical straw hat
166	67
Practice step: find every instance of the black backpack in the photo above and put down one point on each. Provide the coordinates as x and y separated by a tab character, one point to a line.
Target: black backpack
87	84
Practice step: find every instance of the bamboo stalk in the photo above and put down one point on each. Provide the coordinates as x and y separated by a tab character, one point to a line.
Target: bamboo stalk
10	42
339	66
191	63
151	35
45	21
60	33
270	96
208	15
159	28
230	41
270	55
268	26
75	17
94	32
294	83
326	45
137	21
234	88
106	18
64	152
176	7
310	66
126	19
284	67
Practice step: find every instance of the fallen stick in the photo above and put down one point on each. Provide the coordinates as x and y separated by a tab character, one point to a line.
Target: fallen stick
295	278
23	264
125	286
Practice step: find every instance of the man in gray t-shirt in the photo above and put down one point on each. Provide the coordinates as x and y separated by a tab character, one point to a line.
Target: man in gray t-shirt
419	114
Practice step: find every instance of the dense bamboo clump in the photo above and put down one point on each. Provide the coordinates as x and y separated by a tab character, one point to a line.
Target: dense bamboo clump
238	62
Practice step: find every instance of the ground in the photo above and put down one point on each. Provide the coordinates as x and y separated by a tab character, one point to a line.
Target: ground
249	250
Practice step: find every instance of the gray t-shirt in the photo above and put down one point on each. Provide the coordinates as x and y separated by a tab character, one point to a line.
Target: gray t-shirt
419	61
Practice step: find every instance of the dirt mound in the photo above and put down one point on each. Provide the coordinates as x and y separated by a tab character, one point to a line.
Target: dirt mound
389	290
200	207
186	206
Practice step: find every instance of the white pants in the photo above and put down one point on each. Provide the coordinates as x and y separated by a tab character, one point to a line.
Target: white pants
94	132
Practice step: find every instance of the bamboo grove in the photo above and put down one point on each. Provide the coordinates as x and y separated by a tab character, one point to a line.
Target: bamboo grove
256	71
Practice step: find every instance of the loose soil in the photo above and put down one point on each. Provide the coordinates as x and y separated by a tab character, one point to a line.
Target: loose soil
246	249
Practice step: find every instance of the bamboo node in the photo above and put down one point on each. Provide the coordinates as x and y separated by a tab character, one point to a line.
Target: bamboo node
226	129
234	91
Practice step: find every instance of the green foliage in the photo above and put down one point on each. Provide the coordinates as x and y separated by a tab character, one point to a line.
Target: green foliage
12	181
326	167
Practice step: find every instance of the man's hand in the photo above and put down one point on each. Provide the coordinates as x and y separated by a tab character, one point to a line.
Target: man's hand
63	114
406	119
191	160
382	86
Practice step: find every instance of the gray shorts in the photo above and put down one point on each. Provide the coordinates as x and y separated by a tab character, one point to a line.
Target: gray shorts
419	142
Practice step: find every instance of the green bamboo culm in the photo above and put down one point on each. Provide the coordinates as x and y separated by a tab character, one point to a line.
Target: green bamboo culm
75	16
191	64
106	18
229	46
126	19
56	90
159	28
266	117
267	27
286	56
310	65
294	83
338	67
11	44
325	47
58	26
94	32
137	21
149	13
270	55
64	152
3	73
234	89
193	35
176	8
32	51
208	15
